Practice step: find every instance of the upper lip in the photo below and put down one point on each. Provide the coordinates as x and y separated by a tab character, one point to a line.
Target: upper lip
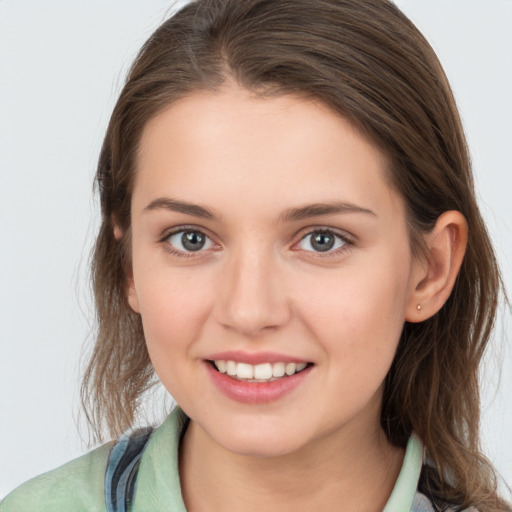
254	357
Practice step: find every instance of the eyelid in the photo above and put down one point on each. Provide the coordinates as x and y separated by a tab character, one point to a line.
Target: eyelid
185	227
348	239
345	235
164	240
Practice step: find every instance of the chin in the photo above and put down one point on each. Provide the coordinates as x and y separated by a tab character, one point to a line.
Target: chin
259	448
260	441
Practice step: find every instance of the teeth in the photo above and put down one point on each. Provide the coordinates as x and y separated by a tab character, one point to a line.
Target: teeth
290	368
260	372
278	369
244	371
221	366
231	367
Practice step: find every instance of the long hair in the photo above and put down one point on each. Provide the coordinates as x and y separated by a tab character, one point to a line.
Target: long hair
366	61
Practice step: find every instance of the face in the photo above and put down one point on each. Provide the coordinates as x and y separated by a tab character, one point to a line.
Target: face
267	241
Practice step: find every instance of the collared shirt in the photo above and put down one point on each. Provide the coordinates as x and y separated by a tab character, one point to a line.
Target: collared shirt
80	484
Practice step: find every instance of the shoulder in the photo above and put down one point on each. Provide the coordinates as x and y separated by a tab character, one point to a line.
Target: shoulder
77	485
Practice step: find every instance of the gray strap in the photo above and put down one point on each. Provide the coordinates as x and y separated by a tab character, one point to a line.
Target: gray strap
122	467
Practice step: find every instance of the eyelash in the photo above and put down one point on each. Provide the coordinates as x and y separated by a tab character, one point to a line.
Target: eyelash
176	252
347	242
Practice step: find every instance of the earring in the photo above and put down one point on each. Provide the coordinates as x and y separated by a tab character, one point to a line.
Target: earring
418	307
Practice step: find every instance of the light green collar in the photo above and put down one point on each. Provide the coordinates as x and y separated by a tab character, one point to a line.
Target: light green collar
158	480
405	488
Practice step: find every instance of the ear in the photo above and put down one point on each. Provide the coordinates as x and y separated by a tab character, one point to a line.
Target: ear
434	277
118	232
131	294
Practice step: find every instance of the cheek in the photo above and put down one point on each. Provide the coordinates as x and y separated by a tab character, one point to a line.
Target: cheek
357	315
173	308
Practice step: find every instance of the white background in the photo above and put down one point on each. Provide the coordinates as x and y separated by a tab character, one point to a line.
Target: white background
61	68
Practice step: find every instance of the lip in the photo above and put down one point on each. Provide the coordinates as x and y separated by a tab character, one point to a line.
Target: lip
253	358
255	392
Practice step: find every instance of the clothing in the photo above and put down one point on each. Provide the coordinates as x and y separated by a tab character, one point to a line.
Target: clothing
79	485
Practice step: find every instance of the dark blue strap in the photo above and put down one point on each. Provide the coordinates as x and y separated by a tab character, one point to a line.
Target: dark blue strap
122	467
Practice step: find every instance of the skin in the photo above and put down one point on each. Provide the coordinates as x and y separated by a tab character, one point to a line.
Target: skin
259	285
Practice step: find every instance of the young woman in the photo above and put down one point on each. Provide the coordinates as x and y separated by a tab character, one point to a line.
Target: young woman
291	243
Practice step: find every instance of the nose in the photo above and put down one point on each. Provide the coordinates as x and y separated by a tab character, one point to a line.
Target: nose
252	296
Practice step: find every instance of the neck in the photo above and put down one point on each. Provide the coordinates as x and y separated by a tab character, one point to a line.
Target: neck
355	468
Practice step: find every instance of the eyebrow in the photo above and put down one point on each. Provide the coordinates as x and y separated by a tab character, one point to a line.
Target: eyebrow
289	215
317	209
166	203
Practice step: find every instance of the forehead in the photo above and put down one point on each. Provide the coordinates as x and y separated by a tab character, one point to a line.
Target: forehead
233	144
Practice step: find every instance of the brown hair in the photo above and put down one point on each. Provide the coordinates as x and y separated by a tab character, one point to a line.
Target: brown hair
365	60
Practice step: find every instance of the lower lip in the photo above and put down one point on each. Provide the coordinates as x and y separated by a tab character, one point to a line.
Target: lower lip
256	392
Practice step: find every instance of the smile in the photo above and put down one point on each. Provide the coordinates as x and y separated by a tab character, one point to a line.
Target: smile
257	378
260	373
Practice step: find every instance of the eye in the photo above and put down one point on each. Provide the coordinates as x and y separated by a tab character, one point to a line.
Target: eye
189	240
322	240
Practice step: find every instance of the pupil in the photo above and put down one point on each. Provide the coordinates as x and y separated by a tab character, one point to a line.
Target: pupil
322	242
193	240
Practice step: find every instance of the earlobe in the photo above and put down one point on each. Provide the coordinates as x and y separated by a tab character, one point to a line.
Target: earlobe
118	234
436	275
131	294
